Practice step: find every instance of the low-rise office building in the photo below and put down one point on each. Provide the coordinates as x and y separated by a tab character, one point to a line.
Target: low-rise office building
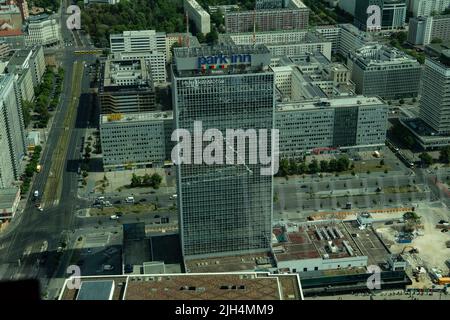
385	72
137	140
309	76
42	29
345	123
126	86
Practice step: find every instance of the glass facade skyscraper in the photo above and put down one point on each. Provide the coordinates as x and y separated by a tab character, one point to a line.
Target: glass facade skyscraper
224	209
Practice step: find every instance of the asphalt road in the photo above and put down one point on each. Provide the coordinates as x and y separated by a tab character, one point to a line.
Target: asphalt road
22	245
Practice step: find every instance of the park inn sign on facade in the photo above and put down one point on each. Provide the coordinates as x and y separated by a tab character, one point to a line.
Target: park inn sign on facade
224	60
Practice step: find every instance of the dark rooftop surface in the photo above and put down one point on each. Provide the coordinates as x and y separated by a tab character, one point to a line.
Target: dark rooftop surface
229	286
331	240
95	290
246	262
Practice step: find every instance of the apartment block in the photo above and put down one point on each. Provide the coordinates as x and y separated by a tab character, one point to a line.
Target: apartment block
198	15
12	136
427	8
423	30
282	43
294	15
435	93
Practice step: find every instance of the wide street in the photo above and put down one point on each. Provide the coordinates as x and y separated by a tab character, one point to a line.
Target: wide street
31	232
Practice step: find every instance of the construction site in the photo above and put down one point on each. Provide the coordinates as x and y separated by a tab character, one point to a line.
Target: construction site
422	239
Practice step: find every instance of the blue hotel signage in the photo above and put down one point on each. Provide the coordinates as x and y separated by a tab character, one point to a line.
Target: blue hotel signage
223	60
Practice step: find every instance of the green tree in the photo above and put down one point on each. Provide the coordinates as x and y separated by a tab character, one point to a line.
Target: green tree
426	158
444	155
135	181
212	37
323	166
314	166
156	180
332	165
284	168
343	163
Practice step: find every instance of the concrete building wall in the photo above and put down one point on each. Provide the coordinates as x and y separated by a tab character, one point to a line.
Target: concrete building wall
43	32
425	8
11	112
267	20
435	96
197	14
138	139
155	60
306	265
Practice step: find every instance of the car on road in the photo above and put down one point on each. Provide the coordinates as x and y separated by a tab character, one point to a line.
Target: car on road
142	200
114	217
40	209
108	267
129	199
173	197
36	193
444	230
117	202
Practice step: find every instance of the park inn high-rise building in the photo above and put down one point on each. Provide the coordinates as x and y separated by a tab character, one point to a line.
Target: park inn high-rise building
224	209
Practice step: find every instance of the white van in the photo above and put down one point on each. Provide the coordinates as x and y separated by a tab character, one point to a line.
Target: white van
129	200
36	194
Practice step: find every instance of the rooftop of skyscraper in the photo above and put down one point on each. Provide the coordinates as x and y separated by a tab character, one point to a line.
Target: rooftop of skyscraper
220	60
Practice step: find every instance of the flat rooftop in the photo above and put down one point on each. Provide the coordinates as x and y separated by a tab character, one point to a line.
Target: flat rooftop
245	262
328	240
96	290
330	103
136	117
213	286
203	51
312	241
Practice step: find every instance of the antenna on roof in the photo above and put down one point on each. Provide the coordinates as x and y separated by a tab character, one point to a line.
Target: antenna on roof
187	29
254	26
